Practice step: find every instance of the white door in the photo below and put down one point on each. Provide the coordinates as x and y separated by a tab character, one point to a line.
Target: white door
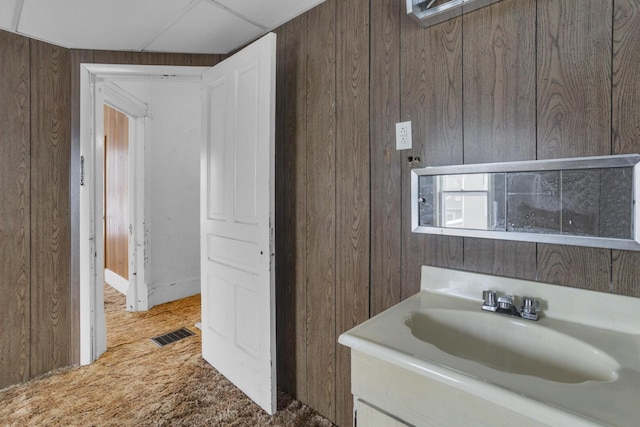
237	217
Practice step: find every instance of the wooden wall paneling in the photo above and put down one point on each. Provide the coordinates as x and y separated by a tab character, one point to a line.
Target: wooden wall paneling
626	121
431	97
291	187
574	115
149	58
195	60
321	208
574	78
352	186
15	212
386	177
113	57
116	184
500	82
285	285
500	114
50	210
77	57
296	129
626	75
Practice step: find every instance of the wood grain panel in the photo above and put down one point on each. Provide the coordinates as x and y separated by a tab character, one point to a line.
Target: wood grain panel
14	209
626	75
321	209
626	121
292	205
386	177
113	57
352	186
574	115
50	213
195	60
500	114
285	265
116	185
499	83
77	57
431	97
574	78
149	58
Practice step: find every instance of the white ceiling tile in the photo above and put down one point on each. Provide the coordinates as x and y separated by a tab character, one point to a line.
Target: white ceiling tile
98	24
6	14
269	13
205	29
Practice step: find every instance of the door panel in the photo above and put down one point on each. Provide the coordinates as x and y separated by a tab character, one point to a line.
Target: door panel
237	208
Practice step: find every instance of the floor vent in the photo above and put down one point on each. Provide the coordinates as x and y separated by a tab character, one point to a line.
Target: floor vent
174	336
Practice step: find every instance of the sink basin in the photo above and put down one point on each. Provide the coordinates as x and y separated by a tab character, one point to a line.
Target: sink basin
436	358
512	345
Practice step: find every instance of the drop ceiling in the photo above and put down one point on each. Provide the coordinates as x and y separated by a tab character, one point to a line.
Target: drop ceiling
188	26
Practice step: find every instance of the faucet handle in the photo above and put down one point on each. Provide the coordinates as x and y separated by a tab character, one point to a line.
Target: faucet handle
531	308
530	305
489	298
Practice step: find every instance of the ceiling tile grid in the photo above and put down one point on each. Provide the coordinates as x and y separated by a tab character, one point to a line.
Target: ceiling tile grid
189	26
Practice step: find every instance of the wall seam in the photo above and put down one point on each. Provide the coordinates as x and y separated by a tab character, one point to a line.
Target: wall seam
611	133
30	251
535	73
401	239
370	159
335	209
462	121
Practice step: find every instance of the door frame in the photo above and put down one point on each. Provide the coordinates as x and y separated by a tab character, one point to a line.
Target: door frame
98	85
137	113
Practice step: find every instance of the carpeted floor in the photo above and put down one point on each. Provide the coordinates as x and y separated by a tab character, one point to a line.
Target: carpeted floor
136	383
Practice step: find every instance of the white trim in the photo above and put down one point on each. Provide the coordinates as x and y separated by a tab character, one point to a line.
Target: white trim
137	112
162	293
116	281
124	102
96	87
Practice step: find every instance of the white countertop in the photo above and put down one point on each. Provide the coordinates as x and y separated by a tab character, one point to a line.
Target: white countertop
611	323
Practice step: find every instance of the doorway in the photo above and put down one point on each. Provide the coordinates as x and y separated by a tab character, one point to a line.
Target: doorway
234	103
163	177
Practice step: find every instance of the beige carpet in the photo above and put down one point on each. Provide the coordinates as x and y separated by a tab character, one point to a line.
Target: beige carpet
136	383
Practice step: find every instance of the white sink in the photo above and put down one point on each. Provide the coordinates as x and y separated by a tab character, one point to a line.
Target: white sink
578	365
512	345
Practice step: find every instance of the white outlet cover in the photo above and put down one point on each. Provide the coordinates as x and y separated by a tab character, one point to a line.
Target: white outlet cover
403	135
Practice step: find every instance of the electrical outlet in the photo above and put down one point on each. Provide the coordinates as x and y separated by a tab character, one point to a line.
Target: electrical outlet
403	135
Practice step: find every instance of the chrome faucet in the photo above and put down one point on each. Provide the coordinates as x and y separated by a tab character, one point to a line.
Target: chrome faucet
505	304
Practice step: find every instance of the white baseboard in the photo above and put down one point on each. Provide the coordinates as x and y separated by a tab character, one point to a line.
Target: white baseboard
116	281
160	294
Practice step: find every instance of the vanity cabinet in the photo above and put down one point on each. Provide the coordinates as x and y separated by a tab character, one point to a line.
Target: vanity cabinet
388	395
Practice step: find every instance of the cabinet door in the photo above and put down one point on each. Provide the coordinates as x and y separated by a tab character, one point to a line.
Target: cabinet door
369	416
